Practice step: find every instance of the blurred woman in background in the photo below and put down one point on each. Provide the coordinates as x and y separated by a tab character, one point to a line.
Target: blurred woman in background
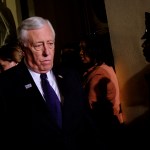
10	55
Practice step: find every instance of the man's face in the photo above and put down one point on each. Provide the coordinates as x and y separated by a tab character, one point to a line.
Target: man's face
39	53
83	55
146	49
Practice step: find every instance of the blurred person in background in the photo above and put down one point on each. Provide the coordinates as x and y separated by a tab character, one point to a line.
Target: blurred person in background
146	53
102	89
139	129
146	38
10	55
70	57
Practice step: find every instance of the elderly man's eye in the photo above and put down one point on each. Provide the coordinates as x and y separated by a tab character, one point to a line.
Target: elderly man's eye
50	44
38	46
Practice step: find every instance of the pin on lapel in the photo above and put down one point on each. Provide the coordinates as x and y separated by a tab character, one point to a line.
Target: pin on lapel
60	76
27	86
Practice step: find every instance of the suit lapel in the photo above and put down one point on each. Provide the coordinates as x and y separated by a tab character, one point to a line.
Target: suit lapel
30	87
60	79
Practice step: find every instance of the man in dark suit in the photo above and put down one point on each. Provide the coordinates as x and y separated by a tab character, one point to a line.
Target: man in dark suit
25	117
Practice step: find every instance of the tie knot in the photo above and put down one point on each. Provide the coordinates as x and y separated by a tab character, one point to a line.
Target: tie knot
43	76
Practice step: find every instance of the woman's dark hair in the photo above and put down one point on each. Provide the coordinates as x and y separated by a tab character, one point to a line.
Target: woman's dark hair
93	48
11	52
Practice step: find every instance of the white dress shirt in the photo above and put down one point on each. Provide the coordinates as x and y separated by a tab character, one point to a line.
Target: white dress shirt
51	79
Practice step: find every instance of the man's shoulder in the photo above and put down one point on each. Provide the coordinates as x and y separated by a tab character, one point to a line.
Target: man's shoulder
12	73
65	71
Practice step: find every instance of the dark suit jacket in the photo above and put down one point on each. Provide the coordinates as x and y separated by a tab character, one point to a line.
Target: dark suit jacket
25	117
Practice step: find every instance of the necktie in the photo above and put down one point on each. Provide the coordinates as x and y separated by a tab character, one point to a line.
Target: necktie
51	100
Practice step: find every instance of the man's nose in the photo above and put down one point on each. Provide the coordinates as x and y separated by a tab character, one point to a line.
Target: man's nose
46	49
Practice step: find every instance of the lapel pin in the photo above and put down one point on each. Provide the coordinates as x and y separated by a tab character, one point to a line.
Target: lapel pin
60	76
28	86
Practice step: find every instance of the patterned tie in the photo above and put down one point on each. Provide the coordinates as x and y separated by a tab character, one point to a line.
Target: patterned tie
51	100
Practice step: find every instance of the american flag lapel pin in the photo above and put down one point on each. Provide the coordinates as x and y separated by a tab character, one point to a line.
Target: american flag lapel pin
60	76
27	86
